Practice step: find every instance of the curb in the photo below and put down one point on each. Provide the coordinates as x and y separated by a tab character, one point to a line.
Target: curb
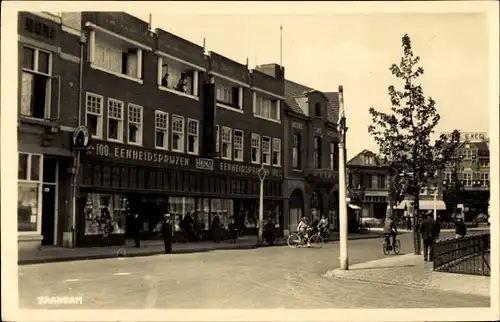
162	252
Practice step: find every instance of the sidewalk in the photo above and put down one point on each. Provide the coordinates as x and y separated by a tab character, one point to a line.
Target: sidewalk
442	230
411	271
52	254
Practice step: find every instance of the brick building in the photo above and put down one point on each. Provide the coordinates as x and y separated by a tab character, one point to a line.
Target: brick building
49	56
367	172
311	153
163	138
470	166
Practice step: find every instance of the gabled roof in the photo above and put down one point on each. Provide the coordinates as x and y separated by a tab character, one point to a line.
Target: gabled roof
294	92
357	160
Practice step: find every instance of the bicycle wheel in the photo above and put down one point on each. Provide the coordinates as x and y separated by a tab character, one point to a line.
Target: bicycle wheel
293	240
397	247
384	247
316	241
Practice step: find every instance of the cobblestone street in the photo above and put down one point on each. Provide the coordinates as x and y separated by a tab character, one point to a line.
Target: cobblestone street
275	277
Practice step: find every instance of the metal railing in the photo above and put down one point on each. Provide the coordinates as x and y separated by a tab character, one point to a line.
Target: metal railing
464	255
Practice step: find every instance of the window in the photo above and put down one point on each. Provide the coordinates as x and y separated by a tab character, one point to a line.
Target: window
467	178
177	77
30	168
134	124
226	143
112	206
93	117
115	119
266	108
332	156
485	179
115	56
255	148
266	150
369	159
317	109
228	95
468	154
161	129
217	139
36	83
193	136
296	151
375	182
447	177
317	152
177	133
238	145
381	181
276	147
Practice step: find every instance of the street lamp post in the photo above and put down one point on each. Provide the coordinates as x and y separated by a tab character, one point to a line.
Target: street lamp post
262	176
435	201
342	129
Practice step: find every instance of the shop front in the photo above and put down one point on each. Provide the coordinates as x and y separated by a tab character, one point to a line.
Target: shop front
119	181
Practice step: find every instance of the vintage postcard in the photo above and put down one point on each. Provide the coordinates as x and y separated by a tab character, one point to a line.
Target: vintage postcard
250	161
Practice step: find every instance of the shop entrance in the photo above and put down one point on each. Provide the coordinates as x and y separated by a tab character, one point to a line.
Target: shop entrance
49	200
48	213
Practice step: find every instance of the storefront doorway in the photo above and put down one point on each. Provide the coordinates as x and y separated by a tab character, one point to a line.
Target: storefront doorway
48	214
49	201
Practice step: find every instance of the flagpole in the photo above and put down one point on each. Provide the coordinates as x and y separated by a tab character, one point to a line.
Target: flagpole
281	45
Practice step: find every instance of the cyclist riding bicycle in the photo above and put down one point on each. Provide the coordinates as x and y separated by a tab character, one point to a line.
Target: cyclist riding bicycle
302	230
390	229
323	225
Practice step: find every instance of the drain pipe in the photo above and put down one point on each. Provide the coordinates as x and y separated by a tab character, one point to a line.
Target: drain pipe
76	164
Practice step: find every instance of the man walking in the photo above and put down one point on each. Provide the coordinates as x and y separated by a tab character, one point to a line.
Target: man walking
428	231
167	232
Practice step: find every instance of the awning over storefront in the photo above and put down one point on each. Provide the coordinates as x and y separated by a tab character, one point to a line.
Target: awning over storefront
424	205
354	207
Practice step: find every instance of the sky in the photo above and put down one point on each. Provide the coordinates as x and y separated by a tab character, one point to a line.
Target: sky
323	51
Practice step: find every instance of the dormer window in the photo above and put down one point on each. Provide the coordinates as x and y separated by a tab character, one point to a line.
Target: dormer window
177	77
115	54
369	160
317	109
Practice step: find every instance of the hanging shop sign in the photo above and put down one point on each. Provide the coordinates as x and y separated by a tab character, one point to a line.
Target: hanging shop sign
81	138
132	155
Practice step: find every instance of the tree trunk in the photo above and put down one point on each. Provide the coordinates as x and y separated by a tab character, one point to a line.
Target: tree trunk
417	248
390	196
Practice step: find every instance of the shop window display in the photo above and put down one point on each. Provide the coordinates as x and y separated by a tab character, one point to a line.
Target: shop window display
223	208
29	192
105	214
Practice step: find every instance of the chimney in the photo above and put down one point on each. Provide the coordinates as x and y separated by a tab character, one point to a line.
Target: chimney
273	70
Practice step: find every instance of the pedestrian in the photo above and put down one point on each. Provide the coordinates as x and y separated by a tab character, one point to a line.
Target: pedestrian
136	230
233	230
216	229
427	231
460	229
437	227
167	232
408	223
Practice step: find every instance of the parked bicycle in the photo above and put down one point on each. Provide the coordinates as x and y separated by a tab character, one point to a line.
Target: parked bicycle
315	240
396	248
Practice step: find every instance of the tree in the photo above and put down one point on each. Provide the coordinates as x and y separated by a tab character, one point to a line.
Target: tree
403	135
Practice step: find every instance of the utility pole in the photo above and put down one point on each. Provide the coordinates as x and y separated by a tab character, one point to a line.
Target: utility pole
344	258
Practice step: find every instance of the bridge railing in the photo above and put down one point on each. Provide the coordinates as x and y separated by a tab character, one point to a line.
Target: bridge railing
464	255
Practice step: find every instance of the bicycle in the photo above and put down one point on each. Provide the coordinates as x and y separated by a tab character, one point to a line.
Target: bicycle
396	248
294	240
